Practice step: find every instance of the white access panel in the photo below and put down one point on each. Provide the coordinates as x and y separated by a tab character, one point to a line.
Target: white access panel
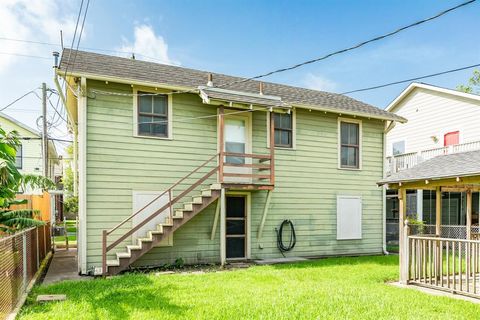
142	198
349	217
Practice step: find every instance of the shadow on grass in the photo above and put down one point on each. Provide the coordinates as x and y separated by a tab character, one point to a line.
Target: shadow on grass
379	260
115	298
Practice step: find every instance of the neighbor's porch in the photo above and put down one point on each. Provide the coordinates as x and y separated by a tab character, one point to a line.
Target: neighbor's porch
444	257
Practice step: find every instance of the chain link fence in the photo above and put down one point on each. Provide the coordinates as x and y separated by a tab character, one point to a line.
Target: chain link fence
20	257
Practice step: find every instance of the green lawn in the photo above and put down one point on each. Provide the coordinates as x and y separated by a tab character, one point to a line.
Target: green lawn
72	234
337	288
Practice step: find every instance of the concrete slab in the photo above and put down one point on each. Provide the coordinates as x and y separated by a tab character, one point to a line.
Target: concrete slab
63	267
51	297
279	260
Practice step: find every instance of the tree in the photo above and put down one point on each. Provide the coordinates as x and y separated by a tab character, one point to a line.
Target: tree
11	180
473	85
70	204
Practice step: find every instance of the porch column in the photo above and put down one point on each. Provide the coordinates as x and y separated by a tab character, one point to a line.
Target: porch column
272	148
469	214
221	143
223	244
402	215
438	212
420	204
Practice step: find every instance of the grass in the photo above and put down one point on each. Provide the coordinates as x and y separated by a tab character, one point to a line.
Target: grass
72	234
336	288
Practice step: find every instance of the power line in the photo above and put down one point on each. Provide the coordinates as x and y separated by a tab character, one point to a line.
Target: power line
361	44
412	79
20	98
23	55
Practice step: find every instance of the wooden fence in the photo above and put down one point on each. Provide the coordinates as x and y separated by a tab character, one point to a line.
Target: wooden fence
36	202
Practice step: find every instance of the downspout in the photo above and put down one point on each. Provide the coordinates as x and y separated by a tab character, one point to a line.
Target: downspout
388	127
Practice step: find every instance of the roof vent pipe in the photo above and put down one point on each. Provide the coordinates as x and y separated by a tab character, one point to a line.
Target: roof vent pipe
55	59
210	80
260	85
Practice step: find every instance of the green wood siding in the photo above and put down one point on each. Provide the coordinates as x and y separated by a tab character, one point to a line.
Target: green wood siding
307	179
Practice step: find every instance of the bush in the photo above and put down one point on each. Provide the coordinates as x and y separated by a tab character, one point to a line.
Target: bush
70	206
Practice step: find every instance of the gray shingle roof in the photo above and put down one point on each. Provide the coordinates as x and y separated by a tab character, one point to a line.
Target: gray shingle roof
89	63
235	96
441	167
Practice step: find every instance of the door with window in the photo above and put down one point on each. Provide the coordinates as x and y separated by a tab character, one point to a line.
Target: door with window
236	227
237	140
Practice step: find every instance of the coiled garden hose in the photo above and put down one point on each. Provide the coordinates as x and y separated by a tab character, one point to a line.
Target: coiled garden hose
293	237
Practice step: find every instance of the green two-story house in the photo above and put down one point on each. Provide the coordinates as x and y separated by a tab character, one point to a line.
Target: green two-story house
180	163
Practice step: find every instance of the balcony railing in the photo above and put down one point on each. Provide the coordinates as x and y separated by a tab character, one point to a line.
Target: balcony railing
409	160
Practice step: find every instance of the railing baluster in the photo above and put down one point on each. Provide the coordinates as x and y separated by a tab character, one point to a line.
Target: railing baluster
448	263
467	267
441	263
460	265
454	275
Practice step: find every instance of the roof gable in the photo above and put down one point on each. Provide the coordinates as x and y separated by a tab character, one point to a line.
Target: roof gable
396	103
19	124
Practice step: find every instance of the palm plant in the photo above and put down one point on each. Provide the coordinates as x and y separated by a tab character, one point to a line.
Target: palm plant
11	180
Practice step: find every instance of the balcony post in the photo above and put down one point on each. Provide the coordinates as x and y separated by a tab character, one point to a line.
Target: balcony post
272	148
469	214
438	212
402	210
221	142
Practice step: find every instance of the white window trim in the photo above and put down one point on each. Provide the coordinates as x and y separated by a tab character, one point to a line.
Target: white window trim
294	131
360	138
135	112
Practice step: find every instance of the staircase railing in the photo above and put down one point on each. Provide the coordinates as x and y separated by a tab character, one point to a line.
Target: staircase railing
169	205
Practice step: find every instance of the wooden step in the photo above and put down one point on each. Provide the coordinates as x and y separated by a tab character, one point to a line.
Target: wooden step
215	186
197	200
163	230
113	263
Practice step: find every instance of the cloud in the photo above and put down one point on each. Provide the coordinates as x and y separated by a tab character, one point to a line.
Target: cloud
39	20
148	46
318	82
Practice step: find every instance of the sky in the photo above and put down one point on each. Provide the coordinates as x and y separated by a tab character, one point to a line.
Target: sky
242	38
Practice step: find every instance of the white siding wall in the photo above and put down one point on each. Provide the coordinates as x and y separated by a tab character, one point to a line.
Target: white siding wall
430	114
31	149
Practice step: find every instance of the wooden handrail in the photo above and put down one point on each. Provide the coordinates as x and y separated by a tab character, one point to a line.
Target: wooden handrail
153	215
163	193
247	155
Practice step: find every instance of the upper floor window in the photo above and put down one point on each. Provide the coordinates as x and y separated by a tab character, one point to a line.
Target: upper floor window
19	157
153	115
398	147
350	137
451	138
283	130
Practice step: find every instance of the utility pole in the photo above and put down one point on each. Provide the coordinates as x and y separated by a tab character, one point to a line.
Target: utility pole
44	131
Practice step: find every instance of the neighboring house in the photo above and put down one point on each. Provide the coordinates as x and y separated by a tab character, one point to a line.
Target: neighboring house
141	127
29	155
440	121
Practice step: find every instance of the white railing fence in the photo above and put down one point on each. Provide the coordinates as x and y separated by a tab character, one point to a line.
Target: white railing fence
408	160
446	264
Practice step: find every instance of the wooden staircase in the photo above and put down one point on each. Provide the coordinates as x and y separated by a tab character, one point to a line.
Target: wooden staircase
181	216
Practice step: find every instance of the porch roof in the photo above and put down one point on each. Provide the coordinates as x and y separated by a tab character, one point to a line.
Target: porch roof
103	67
466	164
208	93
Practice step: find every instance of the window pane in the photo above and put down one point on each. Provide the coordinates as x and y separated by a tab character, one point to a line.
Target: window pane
349	133
349	157
286	138
278	136
235	207
145	104
344	132
398	147
159	129
236	147
144	129
235	227
277	119
160	105
235	247
18	158
286	121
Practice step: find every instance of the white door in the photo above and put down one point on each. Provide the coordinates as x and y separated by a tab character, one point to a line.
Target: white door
237	140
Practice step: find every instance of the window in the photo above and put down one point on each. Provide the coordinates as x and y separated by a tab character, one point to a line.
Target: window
283	130
349	217
398	147
19	157
153	115
451	138
350	144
